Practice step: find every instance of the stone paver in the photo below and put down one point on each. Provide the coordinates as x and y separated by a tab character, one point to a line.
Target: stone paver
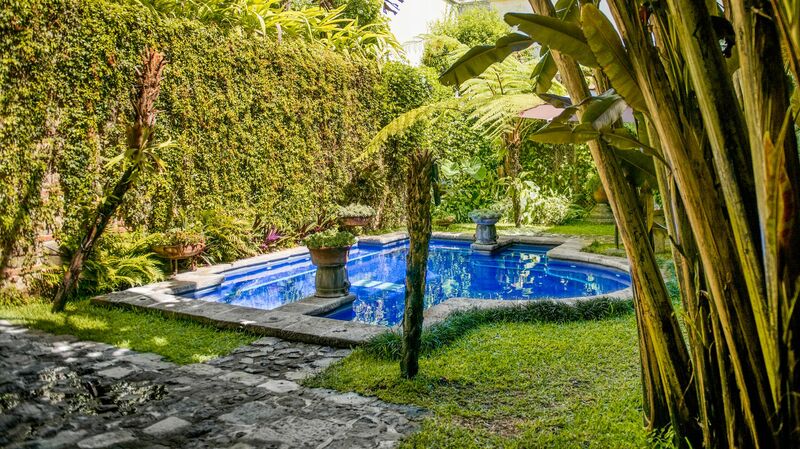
57	392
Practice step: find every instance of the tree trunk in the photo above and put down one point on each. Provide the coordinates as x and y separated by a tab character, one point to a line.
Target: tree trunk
104	214
418	208
513	169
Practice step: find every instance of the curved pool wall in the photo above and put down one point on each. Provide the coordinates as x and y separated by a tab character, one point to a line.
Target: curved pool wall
516	274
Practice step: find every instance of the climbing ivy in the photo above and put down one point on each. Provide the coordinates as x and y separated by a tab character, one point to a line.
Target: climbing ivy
259	127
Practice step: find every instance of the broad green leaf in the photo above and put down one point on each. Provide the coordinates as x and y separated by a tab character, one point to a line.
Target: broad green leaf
603	110
611	55
621	139
640	166
567	10
565	134
478	59
557	34
557	101
544	72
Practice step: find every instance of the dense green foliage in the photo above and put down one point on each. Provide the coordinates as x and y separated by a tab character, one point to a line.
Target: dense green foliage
264	130
329	239
356	211
353	27
473	26
177	340
516	385
458	324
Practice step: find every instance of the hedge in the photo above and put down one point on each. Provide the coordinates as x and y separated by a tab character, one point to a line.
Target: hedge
259	127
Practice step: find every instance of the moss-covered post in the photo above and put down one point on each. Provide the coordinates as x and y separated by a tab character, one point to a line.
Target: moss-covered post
418	208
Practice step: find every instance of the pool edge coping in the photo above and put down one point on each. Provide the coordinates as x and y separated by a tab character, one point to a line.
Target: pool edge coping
298	321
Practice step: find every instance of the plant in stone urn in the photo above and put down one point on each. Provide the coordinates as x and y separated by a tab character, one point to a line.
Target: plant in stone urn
329	250
356	215
486	232
178	244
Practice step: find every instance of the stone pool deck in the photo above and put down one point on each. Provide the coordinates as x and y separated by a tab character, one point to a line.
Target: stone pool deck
300	321
58	392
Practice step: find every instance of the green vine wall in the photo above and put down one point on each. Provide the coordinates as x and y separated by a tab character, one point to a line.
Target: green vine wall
260	128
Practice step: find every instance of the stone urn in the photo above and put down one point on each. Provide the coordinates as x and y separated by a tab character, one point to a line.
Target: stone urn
486	232
331	280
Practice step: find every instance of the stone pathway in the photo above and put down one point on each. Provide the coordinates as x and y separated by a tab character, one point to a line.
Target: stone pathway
58	392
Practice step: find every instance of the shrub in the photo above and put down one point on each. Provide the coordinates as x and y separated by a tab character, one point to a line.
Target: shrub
228	237
120	260
329	239
356	211
178	236
543	208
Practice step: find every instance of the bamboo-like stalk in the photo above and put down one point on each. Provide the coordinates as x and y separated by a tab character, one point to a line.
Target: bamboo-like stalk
660	326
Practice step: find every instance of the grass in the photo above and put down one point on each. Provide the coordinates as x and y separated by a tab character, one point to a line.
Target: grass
179	341
516	385
572	228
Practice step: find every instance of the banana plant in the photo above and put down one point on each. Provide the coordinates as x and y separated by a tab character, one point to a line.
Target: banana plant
713	86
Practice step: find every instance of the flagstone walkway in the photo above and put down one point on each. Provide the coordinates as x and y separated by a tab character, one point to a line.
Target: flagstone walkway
58	392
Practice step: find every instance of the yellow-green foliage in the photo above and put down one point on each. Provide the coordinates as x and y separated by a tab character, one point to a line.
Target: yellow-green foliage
257	124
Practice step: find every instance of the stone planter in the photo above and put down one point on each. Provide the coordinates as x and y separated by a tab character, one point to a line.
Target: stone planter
179	252
331	279
486	232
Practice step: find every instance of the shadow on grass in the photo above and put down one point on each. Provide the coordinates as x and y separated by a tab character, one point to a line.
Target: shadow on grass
177	340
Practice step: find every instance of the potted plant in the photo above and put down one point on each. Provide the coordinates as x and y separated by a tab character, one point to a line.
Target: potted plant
356	215
178	244
329	250
443	219
486	232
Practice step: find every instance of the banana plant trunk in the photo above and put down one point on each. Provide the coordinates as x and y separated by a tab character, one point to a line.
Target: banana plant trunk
666	364
418	209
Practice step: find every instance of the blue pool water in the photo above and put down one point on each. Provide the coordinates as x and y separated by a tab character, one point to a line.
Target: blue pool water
377	275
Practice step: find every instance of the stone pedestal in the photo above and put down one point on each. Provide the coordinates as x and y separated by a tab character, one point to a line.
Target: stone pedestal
486	234
331	279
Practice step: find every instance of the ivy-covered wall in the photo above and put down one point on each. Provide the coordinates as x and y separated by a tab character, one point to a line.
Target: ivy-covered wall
260	128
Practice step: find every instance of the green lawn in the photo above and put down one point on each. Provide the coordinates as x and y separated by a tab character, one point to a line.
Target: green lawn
573	385
178	340
573	228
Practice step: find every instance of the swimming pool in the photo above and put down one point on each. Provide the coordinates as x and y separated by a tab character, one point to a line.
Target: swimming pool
377	275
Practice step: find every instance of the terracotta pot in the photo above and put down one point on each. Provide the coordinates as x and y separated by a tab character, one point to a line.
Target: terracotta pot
599	195
175	252
355	221
329	257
